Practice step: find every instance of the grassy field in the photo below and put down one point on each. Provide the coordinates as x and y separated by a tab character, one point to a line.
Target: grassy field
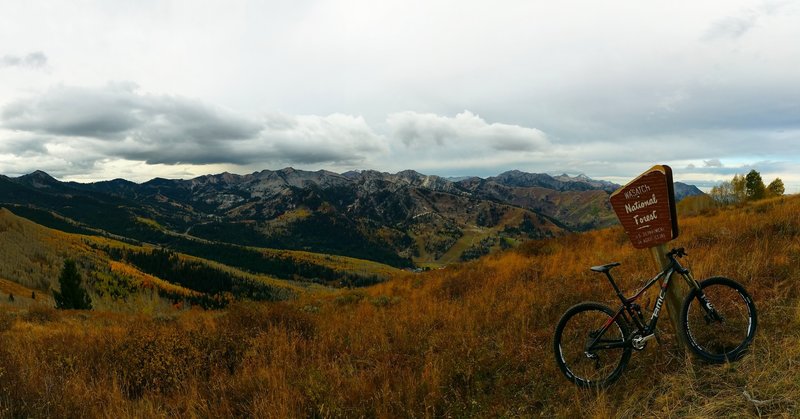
471	340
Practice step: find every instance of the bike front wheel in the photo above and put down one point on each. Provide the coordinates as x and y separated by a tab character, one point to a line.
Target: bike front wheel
579	327
719	320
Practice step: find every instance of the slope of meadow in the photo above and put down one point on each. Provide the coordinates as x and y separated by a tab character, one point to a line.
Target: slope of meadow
470	340
31	257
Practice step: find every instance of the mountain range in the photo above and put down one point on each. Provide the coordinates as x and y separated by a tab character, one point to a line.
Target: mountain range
404	219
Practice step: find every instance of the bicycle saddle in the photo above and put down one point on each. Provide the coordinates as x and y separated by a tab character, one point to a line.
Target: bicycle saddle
605	268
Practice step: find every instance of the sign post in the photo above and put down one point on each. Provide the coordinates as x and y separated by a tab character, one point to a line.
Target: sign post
646	209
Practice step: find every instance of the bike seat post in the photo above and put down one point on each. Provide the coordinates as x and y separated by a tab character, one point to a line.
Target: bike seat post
614	284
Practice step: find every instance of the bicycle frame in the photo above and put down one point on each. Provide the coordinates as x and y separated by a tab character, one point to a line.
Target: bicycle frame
628	312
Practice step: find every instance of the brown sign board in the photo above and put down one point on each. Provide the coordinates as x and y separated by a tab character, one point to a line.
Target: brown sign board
646	208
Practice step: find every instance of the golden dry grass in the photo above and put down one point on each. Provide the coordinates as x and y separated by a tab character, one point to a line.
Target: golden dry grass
467	341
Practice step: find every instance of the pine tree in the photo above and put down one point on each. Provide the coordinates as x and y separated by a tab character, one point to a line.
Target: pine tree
755	186
72	295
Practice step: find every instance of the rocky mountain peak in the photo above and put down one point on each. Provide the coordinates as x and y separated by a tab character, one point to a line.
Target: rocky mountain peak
683	190
411	175
39	179
352	174
518	178
158	181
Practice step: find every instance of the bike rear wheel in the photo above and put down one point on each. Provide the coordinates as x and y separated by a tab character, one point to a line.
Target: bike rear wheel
722	332
580	326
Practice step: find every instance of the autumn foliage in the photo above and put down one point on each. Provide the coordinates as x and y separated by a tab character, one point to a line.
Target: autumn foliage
472	340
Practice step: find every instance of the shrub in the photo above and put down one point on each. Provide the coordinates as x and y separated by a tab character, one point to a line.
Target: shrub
6	321
40	313
155	359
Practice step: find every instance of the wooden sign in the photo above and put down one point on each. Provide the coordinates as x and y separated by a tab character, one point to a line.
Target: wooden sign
646	208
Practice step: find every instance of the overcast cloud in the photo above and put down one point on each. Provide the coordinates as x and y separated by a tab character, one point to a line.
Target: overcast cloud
32	60
180	88
465	130
118	121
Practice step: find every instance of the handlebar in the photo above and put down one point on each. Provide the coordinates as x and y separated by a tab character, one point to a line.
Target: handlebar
679	252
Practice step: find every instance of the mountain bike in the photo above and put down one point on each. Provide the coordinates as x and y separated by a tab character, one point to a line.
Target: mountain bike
593	343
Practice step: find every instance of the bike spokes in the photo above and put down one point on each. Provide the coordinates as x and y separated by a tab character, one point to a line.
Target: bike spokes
719	328
591	365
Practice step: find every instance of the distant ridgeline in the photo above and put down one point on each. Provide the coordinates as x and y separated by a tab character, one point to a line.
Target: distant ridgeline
400	220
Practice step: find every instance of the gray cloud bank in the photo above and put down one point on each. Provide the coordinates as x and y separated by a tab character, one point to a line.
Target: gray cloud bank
118	111
117	121
33	60
74	130
465	129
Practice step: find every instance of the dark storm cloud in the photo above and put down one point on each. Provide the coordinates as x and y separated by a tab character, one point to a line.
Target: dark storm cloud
303	155
117	121
33	60
117	111
174	152
24	147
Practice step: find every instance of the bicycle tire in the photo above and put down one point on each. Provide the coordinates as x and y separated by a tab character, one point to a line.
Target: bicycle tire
725	340
570	339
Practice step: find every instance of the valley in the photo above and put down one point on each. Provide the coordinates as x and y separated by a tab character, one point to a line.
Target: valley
402	220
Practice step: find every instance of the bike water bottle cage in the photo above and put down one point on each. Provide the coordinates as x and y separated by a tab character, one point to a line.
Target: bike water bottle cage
604	268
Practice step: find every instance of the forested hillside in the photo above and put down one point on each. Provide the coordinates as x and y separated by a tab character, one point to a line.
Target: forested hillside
473	340
119	273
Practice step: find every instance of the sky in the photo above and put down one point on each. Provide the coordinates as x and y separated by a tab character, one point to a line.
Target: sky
94	90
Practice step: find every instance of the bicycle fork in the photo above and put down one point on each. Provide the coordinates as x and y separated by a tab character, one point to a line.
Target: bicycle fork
711	313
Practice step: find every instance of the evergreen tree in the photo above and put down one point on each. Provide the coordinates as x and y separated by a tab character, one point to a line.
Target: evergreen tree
776	188
755	186
72	295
